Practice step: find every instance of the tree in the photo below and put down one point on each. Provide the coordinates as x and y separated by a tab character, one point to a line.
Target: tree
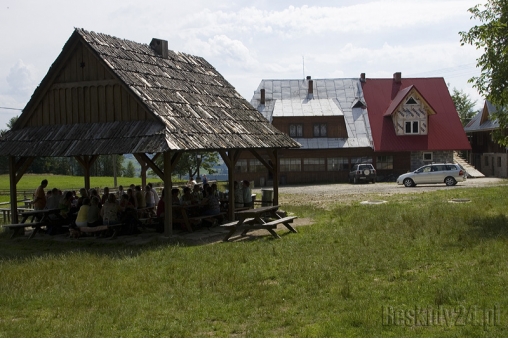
129	172
464	106
492	37
190	162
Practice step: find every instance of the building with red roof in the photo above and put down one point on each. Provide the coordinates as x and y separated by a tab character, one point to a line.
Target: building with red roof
397	124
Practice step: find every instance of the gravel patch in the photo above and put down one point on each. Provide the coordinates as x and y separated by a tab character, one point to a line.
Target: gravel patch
324	194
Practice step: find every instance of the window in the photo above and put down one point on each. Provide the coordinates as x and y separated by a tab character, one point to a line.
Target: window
337	164
241	166
320	130
361	160
296	130
427	156
256	166
384	162
290	165
411	101
314	164
412	127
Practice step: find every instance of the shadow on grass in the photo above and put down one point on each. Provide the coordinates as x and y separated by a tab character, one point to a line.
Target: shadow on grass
20	248
489	227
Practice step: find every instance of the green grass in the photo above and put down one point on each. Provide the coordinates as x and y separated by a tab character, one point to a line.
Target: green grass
29	182
332	279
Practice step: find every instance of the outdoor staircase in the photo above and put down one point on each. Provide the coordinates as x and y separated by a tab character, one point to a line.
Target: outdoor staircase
472	172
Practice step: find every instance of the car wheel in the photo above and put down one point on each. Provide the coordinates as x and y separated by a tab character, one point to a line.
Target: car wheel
408	182
355	180
450	181
373	181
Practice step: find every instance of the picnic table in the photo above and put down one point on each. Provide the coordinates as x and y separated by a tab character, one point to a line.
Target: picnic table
259	218
6	212
44	219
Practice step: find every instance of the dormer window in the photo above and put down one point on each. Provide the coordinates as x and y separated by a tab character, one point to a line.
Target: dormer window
410	112
412	127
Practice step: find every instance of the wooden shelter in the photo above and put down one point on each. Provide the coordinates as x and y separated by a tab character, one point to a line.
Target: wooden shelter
105	95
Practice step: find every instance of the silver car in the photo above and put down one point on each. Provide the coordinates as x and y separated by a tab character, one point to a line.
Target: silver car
448	174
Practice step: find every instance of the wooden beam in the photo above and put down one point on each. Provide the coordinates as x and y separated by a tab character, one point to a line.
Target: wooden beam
21	166
262	160
86	162
276	172
150	163
77	84
230	159
13	192
144	167
168	203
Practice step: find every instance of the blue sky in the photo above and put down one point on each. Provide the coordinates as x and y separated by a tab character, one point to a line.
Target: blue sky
247	41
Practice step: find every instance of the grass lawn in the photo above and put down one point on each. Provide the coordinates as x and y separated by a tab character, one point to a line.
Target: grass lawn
417	266
29	182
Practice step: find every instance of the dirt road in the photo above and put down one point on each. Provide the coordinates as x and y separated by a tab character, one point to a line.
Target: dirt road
349	193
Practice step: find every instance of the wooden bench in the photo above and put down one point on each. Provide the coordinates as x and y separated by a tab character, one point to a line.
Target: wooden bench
284	221
235	223
19	229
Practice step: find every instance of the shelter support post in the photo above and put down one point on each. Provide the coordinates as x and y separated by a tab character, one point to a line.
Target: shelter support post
168	185
273	167
13	193
169	165
16	171
230	159
86	162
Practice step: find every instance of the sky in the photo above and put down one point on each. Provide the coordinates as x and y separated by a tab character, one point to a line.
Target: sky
247	41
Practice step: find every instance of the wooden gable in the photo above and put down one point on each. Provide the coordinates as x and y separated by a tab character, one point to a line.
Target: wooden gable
85	91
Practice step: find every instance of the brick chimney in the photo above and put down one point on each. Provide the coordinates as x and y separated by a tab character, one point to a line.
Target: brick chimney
311	88
160	47
397	76
262	96
362	77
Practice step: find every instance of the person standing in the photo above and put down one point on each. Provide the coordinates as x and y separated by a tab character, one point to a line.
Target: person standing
39	201
238	195
155	194
247	194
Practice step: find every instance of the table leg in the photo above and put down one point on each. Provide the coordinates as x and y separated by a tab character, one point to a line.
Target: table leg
230	234
186	220
258	221
34	232
272	232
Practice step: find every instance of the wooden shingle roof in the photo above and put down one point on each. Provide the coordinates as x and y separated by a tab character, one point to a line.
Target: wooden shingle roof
188	105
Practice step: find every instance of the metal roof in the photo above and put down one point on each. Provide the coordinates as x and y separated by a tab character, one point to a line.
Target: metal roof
476	125
330	97
194	106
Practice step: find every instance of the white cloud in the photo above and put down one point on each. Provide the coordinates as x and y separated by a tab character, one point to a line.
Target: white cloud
294	22
21	79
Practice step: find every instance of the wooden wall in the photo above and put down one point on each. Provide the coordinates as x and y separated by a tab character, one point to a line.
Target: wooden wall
335	125
401	164
84	91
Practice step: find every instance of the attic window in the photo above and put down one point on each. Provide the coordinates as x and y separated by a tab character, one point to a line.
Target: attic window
358	104
411	101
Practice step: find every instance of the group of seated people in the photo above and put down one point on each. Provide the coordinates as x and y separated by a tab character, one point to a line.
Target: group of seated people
127	207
